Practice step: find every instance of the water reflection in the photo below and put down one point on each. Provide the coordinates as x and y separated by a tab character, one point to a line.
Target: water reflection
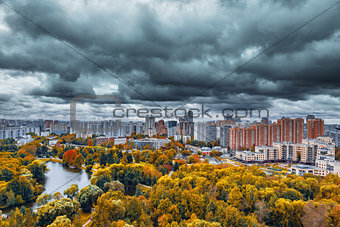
58	179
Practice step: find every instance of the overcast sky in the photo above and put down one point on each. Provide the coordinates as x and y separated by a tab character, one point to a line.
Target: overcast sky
168	52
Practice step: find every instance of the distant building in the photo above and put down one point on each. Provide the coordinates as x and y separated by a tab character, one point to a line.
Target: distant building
17	132
292	130
177	137
152	142
102	140
52	142
206	150
329	165
265	120
57	127
211	132
172	128
117	141
224	135
305	169
161	128
23	141
200	131
186	125
249	156
309	117
185	139
108	128
83	135
259	134
335	134
150	125
315	128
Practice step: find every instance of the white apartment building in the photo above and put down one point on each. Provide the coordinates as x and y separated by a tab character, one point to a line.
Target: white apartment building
117	141
172	131
152	142
17	132
330	165
249	156
270	153
304	169
200	131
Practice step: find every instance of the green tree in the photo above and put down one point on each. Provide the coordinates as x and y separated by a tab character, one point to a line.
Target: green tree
61	221
71	191
43	199
114	186
108	210
49	212
88	196
38	169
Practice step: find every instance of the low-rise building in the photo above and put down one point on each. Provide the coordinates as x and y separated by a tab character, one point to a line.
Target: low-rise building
270	152
305	169
83	135
23	141
205	150
52	142
102	140
249	156
152	142
328	164
117	141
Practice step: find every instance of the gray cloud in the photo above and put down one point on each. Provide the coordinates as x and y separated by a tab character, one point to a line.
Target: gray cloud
172	51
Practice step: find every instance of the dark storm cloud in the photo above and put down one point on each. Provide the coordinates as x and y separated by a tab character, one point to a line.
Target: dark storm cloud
171	51
4	98
61	88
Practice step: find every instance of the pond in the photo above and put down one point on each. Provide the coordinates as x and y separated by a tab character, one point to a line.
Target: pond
58	179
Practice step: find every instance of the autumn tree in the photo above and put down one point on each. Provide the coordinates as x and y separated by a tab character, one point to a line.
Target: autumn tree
88	196
108	210
61	221
69	158
38	169
49	212
43	199
71	191
23	217
114	186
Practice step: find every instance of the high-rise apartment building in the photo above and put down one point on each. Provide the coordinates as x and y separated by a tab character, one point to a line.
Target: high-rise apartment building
150	125
262	135
200	131
235	138
274	133
315	128
292	130
161	128
285	130
211	132
224	135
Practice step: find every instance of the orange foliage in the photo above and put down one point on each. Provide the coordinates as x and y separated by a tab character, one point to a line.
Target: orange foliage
70	157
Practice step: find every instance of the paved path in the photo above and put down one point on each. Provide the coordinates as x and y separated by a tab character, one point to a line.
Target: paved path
88	222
